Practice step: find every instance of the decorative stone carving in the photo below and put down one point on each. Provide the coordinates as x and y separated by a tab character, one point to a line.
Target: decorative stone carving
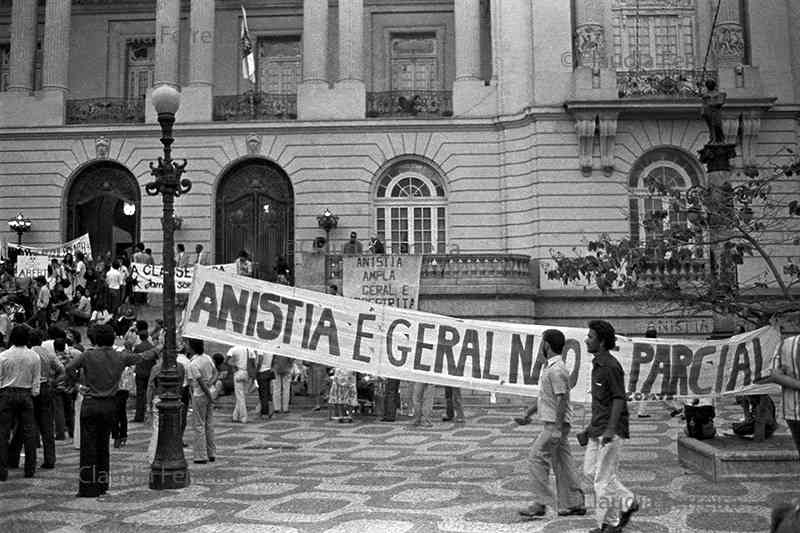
585	127
101	147
607	128
590	45
750	127
729	43
253	144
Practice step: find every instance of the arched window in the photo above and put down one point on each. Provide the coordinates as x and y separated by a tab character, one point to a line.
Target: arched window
668	168
411	209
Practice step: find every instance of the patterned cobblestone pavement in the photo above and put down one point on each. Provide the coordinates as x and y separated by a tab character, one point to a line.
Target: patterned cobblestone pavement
302	472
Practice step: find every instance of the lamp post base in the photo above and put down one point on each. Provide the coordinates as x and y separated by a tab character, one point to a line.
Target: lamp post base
169	469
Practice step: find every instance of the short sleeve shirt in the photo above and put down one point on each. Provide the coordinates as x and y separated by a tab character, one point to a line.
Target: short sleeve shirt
788	357
239	356
201	368
608	384
553	380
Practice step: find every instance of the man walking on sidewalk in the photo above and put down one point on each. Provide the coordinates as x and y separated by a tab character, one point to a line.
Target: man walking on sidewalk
551	448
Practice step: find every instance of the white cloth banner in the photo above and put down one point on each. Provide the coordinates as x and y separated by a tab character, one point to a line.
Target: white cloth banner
150	278
416	346
31	266
391	280
81	244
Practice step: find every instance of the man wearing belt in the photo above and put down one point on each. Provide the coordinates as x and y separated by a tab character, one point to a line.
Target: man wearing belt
52	371
102	368
20	372
551	448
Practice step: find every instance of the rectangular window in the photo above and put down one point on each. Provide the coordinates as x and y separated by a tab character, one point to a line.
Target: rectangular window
140	64
416	230
279	64
650	39
414	62
4	55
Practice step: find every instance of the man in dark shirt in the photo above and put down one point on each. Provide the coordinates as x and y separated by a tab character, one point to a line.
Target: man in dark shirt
142	370
102	368
608	427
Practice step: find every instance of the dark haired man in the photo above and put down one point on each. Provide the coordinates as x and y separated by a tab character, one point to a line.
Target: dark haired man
102	368
609	425
142	370
202	376
551	447
20	371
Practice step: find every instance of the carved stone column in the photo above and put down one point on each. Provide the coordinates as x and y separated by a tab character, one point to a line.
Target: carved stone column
55	71
23	46
516	56
315	41
167	39
751	125
607	128
468	88
589	44
728	43
197	96
351	40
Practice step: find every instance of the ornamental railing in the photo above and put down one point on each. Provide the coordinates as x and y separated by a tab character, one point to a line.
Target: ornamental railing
662	83
105	111
673	271
255	106
420	104
460	266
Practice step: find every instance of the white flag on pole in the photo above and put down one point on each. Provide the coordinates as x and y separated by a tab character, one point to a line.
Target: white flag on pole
248	60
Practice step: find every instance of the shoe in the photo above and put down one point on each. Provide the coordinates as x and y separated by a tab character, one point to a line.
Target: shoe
534	511
625	516
643	415
212	459
3	476
47	466
426	424
317	408
675	412
447	418
200	461
573	511
116	443
386	419
522	421
185	445
460	421
123	442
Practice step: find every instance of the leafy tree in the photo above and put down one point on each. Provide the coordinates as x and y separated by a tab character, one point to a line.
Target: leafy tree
691	266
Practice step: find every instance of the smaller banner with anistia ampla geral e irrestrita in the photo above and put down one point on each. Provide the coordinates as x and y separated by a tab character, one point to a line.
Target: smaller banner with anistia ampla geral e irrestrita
415	346
391	280
150	278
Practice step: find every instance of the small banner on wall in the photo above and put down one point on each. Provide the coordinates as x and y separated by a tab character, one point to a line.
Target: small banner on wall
391	280
150	278
81	244
415	346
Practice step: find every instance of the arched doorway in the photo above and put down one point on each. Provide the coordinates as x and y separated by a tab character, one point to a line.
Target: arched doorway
255	213
104	201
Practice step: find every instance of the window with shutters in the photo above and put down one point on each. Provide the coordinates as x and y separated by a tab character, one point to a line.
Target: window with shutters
140	67
279	64
654	35
414	62
411	209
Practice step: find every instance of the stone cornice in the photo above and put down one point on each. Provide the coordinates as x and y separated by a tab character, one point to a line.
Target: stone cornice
672	108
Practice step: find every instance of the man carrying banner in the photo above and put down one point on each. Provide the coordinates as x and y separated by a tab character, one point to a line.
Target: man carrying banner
551	447
609	425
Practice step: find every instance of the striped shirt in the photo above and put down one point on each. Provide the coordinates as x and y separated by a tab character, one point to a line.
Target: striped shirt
788	357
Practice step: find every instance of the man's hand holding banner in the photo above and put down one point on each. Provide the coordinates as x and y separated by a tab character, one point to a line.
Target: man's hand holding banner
416	346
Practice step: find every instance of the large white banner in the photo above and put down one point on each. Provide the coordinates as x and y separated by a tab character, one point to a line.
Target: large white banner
150	278
31	266
81	244
416	346
391	280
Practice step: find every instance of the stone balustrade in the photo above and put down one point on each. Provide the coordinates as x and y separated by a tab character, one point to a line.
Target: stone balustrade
255	106
422	104
659	83
105	111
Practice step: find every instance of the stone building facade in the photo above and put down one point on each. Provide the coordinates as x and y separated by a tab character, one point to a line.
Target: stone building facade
481	133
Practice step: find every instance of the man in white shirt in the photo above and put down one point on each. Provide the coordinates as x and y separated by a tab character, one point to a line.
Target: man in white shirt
202	374
80	270
20	378
239	359
115	279
184	360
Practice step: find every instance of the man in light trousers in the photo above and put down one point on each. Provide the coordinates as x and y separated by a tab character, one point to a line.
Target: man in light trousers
240	357
202	374
551	448
615	504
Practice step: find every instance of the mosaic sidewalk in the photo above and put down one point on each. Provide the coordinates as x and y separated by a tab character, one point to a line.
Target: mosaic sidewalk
303	472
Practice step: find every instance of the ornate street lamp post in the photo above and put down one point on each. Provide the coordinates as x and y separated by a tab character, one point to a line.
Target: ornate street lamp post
21	225
327	221
169	470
